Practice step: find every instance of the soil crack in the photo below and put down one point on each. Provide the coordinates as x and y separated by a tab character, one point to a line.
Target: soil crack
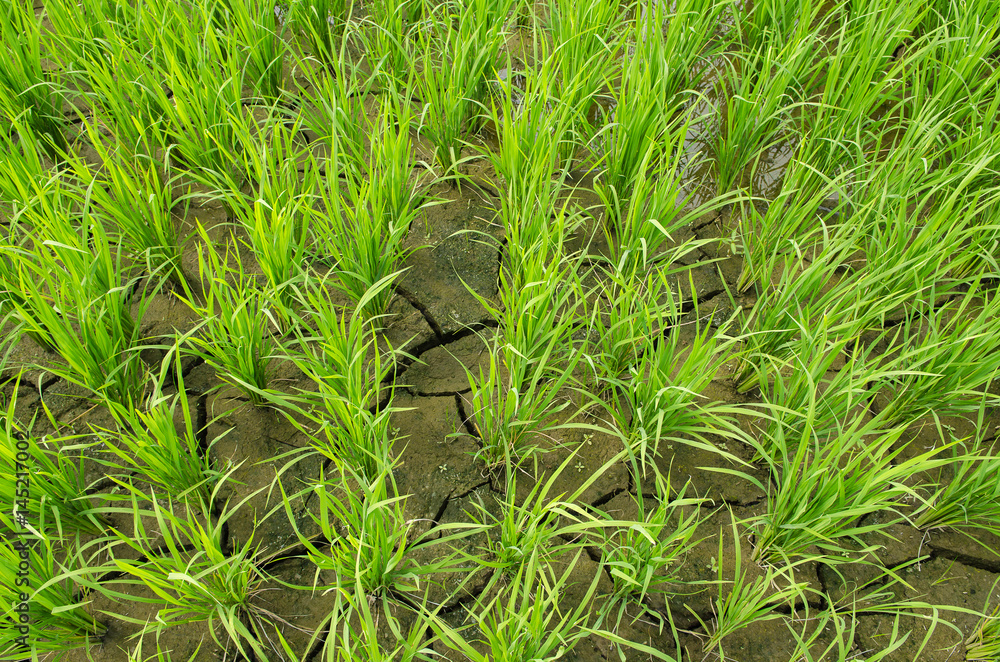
421	308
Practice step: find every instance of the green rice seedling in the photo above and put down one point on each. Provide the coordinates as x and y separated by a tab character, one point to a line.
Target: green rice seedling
198	129
125	94
806	293
533	135
623	316
526	621
657	401
40	475
584	38
277	213
983	645
387	35
56	619
826	481
75	297
84	30
642	556
970	499
451	80
860	75
945	358
690	38
810	630
338	348
961	46
839	394
355	624
135	198
746	602
343	359
360	233
980	242
323	23
391	161
23	172
970	495
251	34
638	229
915	250
773	21
759	93
28	92
149	442
98	344
333	109
514	401
536	526
192	574
637	119
793	222
511	422
538	300
367	535
234	336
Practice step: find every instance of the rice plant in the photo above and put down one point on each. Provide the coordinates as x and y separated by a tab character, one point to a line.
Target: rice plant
622	318
348	415
970	496
367	536
192	574
642	556
202	112
149	442
355	624
44	477
794	221
657	401
983	645
55	618
235	335
826	483
127	96
387	35
637	120
944	359
810	377
451	81
535	526
134	197
584	39
804	293
277	214
560	149
516	399
363	228
757	108
638	229
777	22
860	76
690	31
251	32
333	109
322	22
533	135
29	92
746	601
526	621
76	297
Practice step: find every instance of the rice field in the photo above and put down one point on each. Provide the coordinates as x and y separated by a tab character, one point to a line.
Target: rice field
498	330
